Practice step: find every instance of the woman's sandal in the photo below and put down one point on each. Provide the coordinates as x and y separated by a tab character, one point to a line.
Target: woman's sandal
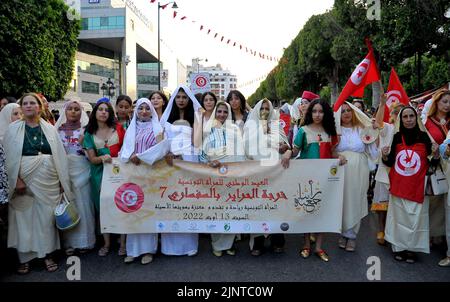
70	251
399	256
122	251
322	255
24	268
305	252
50	265
104	251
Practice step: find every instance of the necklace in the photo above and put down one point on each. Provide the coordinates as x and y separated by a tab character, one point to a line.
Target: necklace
35	139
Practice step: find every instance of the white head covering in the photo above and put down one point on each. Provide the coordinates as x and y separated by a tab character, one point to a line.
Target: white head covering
129	141
425	110
63	118
166	114
368	134
233	151
5	118
295	111
254	137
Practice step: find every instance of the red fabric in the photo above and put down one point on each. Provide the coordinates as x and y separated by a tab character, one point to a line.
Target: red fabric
438	132
396	94
174	14
285	120
364	74
326	147
407	176
309	95
114	149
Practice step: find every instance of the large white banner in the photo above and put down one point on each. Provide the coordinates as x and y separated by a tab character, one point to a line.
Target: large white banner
244	197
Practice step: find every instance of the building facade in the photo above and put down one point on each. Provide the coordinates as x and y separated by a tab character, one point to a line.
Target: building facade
222	81
116	43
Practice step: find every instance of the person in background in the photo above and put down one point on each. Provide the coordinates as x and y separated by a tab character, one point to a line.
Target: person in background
124	108
239	108
9	114
7	100
159	101
70	127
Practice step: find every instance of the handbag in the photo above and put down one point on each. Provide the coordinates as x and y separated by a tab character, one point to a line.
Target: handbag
438	181
66	214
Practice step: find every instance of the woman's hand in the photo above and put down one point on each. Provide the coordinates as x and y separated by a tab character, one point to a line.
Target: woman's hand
106	158
169	159
21	187
285	159
435	150
342	160
214	164
447	151
283	147
135	160
385	152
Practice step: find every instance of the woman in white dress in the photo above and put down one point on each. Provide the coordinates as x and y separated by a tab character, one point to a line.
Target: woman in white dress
10	113
266	141
143	143
178	120
357	143
223	143
70	129
38	172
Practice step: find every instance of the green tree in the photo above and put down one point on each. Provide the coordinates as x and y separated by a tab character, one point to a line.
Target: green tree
38	46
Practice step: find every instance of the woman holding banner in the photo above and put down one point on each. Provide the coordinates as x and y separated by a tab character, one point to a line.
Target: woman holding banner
357	143
103	139
407	224
265	140
143	143
239	106
316	140
178	120
223	143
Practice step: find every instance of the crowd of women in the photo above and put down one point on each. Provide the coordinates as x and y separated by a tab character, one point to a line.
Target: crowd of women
41	159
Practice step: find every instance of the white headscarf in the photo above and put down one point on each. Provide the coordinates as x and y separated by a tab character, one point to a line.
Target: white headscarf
368	134
166	114
84	119
129	141
295	110
425	110
254	137
234	149
5	118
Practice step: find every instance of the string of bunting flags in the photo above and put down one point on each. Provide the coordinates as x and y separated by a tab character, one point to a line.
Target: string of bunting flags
251	82
222	38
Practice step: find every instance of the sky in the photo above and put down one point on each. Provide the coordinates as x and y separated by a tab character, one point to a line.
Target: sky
267	26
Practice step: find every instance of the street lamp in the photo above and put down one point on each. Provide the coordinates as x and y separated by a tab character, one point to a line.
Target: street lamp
174	6
198	60
108	89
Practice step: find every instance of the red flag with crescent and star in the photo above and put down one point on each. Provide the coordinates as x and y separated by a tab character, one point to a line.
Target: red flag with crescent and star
395	94
407	177
364	74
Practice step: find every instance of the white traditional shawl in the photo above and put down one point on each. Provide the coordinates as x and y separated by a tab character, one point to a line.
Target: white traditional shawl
13	143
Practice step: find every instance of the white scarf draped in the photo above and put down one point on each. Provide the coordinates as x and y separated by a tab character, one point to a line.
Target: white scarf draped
155	152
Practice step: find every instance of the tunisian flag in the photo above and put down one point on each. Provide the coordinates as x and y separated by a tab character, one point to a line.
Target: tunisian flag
364	74
395	94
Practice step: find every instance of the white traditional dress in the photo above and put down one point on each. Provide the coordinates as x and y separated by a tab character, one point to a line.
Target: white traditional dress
180	140
83	235
145	140
357	144
223	142
32	229
5	118
263	146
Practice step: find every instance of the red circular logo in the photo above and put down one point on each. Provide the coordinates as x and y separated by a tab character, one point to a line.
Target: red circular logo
129	197
201	81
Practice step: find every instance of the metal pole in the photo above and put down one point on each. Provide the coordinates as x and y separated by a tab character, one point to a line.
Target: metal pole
159	62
